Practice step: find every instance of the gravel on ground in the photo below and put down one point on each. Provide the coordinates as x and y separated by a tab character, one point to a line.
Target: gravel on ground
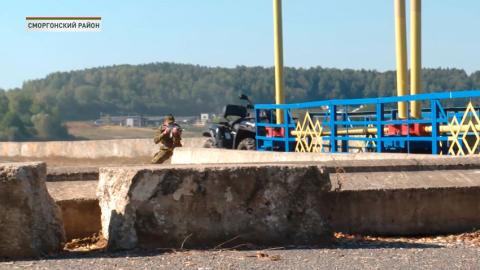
347	252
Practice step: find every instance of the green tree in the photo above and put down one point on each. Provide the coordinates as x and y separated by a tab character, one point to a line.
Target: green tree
49	127
3	103
13	129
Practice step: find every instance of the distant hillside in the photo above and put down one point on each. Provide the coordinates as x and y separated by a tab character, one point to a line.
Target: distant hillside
187	89
162	88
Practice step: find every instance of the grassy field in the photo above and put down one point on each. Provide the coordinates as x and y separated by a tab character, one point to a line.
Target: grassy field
86	130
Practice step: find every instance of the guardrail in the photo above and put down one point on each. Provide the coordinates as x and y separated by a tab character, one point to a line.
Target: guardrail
372	125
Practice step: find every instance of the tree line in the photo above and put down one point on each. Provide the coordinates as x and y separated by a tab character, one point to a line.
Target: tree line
22	118
38	108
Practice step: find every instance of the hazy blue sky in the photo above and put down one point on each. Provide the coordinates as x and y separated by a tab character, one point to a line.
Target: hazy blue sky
343	34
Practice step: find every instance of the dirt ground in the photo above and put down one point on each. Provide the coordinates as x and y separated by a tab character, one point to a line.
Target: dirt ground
86	130
346	252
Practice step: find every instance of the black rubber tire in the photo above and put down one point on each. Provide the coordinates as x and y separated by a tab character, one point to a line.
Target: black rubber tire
209	143
247	144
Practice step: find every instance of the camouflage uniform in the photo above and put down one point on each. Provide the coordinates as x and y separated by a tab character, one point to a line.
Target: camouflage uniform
167	141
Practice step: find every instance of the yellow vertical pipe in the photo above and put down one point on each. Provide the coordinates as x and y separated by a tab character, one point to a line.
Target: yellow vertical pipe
416	47
401	54
278	47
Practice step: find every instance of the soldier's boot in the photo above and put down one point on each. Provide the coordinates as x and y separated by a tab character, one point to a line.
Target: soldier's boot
162	156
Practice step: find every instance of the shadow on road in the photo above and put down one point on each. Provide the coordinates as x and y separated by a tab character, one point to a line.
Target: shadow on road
337	244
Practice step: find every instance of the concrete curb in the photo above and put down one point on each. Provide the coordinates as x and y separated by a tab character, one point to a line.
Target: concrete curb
56	174
124	148
185	155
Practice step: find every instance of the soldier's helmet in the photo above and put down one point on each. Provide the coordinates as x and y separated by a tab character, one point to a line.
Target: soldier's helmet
169	119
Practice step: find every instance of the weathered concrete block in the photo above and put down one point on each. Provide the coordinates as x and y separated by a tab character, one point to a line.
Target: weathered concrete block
79	205
186	155
125	148
207	205
81	218
72	173
405	203
30	221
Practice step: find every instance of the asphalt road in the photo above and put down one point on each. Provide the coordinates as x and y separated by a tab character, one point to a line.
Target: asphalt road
376	255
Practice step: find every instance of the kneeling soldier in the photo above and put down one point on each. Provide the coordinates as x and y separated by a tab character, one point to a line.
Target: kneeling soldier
169	137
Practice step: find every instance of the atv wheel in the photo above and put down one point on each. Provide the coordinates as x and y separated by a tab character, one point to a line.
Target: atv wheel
247	144
209	143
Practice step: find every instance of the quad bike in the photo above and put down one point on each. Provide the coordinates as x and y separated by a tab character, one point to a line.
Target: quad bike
237	131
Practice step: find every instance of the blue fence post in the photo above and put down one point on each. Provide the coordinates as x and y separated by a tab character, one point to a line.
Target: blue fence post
344	143
380	117
333	128
257	141
286	130
435	131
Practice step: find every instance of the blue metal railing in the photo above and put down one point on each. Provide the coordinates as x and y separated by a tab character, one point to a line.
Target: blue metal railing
333	119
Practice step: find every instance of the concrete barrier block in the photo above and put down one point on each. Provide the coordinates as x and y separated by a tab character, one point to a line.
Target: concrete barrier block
81	218
30	221
405	203
79	206
125	148
401	212
72	173
186	155
202	206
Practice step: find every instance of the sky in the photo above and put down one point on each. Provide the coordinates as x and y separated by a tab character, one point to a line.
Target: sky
342	34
